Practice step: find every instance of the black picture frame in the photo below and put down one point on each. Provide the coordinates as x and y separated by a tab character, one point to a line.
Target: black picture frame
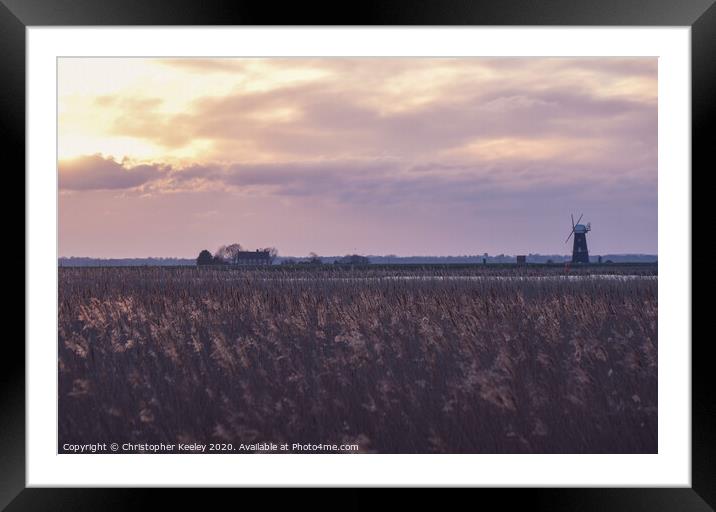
16	15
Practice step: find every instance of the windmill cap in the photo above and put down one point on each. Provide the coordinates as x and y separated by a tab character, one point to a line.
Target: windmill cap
580	228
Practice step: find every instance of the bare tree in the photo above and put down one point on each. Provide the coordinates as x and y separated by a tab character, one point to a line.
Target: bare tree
227	253
273	252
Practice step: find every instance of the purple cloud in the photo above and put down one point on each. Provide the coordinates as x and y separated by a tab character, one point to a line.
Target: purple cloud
95	172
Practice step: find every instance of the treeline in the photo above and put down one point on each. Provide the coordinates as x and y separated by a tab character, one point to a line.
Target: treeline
124	262
390	259
506	258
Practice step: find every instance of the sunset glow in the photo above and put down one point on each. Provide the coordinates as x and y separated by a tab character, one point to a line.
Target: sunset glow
407	156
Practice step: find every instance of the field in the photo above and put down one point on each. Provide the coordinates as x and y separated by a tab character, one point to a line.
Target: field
414	360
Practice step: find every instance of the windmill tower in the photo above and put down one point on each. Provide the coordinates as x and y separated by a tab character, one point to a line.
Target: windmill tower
580	254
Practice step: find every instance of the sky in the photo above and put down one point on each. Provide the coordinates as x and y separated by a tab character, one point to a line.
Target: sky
404	156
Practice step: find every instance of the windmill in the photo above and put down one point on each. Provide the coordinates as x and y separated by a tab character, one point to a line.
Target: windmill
580	254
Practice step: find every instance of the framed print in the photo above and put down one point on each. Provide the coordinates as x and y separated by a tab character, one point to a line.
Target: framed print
413	248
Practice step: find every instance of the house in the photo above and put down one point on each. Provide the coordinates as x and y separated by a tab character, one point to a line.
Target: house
252	258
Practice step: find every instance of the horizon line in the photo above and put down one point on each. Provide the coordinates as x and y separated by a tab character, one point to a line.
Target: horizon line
476	255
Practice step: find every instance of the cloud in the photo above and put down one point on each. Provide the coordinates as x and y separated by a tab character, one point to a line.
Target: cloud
423	141
95	172
223	65
391	130
375	183
353	113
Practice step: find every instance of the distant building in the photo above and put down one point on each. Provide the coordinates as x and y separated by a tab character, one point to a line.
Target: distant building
252	258
521	260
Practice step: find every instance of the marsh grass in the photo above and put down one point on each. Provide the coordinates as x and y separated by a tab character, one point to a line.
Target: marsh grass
409	365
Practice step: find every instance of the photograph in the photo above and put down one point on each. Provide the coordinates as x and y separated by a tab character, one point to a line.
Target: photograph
357	255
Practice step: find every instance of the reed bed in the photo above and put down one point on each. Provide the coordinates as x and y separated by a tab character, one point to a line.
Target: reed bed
423	365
